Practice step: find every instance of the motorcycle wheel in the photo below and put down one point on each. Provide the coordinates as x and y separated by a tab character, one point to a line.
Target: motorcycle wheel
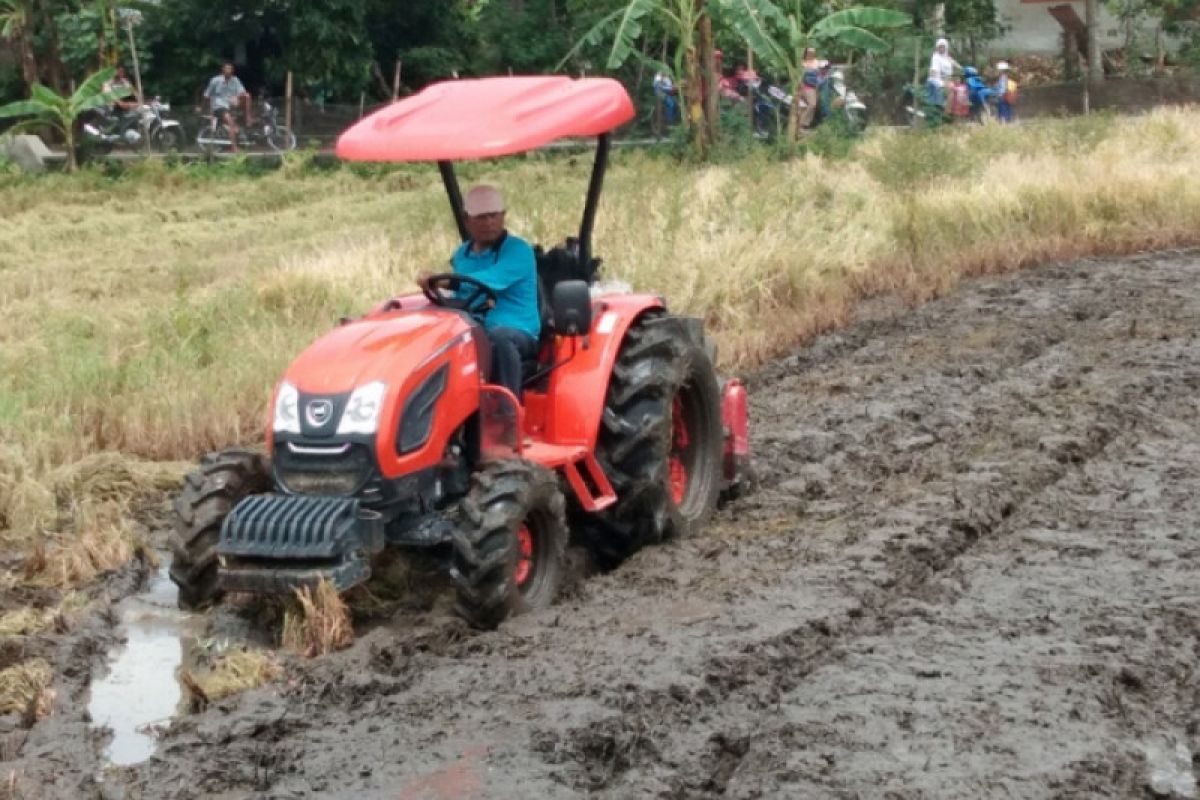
213	138
96	147
168	140
856	120
281	139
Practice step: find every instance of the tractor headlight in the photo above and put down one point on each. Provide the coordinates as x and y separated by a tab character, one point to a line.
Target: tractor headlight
417	421
287	415
363	409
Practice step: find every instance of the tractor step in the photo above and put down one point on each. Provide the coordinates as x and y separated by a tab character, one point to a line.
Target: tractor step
583	472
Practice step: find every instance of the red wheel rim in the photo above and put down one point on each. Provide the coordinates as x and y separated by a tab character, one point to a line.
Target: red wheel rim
676	461
524	555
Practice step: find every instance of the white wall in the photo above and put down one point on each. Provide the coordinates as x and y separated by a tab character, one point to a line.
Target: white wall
1033	30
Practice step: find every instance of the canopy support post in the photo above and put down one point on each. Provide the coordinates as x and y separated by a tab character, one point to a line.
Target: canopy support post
593	199
455	195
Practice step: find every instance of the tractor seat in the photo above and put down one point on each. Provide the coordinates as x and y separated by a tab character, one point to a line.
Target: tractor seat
560	263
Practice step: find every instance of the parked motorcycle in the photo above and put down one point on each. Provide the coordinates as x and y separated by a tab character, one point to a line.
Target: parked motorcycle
772	104
266	130
108	128
979	94
967	99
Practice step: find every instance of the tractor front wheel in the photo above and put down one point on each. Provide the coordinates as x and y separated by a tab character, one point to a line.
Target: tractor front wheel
208	495
509	545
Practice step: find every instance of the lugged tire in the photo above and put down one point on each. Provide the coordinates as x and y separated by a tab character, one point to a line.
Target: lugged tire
208	495
656	364
486	544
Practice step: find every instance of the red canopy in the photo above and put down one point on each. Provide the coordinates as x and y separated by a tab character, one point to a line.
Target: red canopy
486	118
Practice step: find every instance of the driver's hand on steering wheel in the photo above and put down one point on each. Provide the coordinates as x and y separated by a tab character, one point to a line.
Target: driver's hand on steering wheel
423	281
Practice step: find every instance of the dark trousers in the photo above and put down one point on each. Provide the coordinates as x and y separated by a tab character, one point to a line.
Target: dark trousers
509	347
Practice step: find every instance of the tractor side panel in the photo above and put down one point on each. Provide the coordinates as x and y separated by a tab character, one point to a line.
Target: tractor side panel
457	401
577	391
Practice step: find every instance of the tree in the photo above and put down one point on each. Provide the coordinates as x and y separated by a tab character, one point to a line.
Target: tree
16	28
52	61
526	36
1166	15
683	21
775	30
47	107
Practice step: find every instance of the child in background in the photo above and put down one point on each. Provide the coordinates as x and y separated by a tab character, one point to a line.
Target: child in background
1006	92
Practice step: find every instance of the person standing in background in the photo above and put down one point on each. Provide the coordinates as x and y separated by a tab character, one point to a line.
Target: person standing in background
1006	91
810	79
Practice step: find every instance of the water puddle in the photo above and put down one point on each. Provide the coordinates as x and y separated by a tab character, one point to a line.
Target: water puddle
1171	772
140	691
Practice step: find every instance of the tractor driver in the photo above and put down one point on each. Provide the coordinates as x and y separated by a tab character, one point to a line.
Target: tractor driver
507	265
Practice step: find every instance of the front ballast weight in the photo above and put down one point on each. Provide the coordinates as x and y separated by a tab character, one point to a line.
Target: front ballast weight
274	544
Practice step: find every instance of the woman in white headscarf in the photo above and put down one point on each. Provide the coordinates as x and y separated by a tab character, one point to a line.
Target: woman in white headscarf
942	62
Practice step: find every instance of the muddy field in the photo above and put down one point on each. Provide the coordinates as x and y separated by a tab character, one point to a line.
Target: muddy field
970	570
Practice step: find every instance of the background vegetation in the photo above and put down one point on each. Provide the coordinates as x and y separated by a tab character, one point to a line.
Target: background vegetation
342	49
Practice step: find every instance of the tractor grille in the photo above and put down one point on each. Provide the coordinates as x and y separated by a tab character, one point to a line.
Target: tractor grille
325	471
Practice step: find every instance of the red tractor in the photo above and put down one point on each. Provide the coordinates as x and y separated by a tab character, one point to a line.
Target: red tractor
386	433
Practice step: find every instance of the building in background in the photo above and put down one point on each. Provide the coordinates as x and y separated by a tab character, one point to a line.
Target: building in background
1031	28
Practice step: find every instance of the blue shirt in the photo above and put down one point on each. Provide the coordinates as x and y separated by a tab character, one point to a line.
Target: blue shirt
511	272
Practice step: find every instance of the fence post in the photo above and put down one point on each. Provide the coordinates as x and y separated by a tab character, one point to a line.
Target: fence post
396	81
287	104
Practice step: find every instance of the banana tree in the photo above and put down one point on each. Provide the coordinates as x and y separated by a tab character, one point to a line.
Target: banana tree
775	30
47	108
684	21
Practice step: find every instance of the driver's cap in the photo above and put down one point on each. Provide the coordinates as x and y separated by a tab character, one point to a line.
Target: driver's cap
483	199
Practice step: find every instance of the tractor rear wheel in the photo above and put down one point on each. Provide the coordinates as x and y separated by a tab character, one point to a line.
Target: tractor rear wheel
208	495
660	442
509	544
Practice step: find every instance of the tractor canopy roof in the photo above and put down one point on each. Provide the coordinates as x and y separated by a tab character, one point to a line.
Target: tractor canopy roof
487	118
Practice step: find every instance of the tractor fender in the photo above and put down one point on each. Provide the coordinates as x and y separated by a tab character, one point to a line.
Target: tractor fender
579	387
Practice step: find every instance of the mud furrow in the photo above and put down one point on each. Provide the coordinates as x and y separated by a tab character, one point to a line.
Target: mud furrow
974	543
756	677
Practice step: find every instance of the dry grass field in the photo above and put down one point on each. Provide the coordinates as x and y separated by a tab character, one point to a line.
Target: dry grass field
144	316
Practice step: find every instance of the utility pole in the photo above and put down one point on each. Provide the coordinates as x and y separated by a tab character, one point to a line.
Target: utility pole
1095	67
131	17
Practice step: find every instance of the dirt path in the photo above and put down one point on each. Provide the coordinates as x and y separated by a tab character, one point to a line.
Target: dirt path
970	571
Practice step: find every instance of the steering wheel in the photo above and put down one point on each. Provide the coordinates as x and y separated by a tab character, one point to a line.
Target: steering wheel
442	290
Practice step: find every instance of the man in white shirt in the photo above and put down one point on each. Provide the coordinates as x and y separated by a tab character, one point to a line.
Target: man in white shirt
224	93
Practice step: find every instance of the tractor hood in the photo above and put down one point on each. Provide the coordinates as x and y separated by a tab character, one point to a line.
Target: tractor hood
386	348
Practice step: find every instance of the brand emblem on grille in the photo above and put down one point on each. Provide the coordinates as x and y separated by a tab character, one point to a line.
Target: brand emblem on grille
319	412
